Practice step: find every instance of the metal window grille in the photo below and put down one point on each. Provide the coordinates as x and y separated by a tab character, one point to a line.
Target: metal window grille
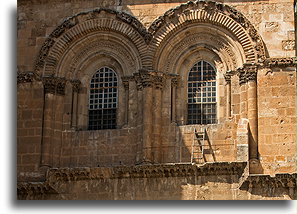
103	99
202	94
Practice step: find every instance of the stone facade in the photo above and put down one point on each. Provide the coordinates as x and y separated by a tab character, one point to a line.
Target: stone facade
152	45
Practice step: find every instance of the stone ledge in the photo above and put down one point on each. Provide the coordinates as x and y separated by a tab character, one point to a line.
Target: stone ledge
146	171
261	181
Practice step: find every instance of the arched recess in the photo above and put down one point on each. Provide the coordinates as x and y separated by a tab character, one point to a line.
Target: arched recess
203	30
85	33
83	43
217	19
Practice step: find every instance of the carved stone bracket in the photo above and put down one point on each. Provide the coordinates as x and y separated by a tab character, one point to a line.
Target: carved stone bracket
54	85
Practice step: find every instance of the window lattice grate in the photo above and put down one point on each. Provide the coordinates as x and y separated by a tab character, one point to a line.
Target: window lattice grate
202	94
103	99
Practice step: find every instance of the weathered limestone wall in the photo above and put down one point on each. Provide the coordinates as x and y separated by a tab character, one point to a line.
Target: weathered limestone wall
277	120
29	125
221	181
99	148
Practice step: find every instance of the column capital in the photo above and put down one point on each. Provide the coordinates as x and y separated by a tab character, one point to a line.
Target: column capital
242	77
228	76
54	85
76	84
126	80
175	80
145	78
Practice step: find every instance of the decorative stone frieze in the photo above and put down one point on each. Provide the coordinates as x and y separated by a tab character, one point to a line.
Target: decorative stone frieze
25	77
266	181
146	171
37	188
54	85
280	62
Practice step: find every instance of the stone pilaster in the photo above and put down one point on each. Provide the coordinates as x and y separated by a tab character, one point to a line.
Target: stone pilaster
52	86
174	83
243	93
125	81
76	84
228	76
251	76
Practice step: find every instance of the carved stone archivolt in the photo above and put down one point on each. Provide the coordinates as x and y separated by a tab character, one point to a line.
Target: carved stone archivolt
148	41
216	14
280	62
101	47
216	45
73	28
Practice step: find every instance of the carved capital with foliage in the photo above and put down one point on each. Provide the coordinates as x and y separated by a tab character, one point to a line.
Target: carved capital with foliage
54	85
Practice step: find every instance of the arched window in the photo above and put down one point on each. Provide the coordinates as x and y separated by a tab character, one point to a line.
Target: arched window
103	99
202	94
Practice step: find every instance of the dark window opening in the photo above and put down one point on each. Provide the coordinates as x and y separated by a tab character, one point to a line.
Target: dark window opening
103	100
202	94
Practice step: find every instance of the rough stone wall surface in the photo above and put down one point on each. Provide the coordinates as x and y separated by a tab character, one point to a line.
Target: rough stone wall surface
29	126
277	120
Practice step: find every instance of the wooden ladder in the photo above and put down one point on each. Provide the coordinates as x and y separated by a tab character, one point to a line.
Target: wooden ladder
197	155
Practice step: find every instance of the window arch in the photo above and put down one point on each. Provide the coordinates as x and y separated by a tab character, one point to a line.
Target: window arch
103	99
202	94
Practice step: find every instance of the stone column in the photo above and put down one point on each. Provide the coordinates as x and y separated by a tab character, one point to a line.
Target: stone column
251	75
243	93
228	91
159	80
75	90
147	116
52	86
125	81
174	81
139	119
